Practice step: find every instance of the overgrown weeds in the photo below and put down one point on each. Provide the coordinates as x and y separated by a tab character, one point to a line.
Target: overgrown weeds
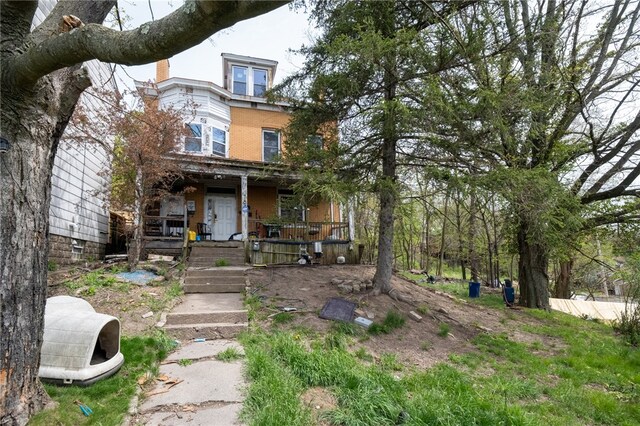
109	398
574	373
392	321
229	355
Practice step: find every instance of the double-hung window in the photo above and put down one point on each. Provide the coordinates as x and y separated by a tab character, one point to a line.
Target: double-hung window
193	140
288	210
219	137
239	80
270	144
259	82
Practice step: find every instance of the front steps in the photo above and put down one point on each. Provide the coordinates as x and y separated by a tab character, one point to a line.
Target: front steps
209	254
215	280
212	306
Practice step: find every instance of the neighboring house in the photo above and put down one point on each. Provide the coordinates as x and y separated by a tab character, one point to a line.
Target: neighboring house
78	215
226	157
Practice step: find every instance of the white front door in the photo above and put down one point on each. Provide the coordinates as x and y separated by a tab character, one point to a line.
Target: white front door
221	215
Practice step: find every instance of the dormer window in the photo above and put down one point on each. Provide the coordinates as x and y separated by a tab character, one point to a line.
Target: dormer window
248	76
259	82
239	80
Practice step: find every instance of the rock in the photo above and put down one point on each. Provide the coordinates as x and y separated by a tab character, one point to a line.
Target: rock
414	316
147	315
345	288
356	288
335	281
370	315
347	282
359	312
416	271
443	311
368	283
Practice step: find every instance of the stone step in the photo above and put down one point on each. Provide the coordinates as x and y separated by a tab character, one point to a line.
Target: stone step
210	264
210	251
217	244
209	331
217	271
212	259
219	317
214	288
216	279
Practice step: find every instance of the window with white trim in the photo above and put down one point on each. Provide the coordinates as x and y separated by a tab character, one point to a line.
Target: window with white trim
288	210
239	80
259	82
193	140
219	138
270	144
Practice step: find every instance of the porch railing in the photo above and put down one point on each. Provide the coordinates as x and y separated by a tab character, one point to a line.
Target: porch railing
165	226
298	231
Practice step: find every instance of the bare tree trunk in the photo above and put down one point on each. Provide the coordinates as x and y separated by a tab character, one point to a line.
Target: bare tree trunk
444	231
33	121
135	249
473	255
387	183
605	276
487	231
563	283
532	271
461	256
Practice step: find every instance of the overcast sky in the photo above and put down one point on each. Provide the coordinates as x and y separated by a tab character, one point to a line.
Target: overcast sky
268	36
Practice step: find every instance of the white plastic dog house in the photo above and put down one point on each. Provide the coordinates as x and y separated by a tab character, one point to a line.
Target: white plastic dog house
80	346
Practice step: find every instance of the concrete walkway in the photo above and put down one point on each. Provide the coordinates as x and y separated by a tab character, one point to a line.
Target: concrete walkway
206	392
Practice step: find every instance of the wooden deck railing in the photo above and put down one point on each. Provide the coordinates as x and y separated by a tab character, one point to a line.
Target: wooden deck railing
299	231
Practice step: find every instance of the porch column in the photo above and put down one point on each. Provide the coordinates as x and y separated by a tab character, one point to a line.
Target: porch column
351	215
245	208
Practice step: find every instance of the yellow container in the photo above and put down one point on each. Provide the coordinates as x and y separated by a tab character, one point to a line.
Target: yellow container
192	236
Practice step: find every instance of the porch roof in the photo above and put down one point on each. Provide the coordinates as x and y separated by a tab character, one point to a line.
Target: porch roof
209	165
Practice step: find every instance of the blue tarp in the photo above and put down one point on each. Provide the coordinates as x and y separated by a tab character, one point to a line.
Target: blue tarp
140	277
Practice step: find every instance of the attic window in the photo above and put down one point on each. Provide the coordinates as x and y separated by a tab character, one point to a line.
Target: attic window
259	82
239	80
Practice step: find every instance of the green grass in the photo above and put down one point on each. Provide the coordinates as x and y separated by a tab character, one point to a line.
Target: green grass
443	329
392	321
573	372
109	399
157	303
229	355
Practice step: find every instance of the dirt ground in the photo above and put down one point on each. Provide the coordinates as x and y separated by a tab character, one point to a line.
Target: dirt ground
131	304
307	288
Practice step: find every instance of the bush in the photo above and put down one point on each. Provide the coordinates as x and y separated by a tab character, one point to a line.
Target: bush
629	323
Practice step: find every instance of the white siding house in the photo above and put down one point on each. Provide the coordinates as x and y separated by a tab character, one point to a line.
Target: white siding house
79	215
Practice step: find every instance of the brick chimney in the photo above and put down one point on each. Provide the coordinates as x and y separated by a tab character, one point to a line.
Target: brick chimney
162	70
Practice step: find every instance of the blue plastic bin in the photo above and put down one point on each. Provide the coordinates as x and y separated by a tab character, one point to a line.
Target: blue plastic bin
474	289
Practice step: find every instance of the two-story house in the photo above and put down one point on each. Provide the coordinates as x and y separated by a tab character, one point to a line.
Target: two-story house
227	158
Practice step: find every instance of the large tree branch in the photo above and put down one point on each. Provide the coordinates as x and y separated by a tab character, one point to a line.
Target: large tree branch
186	27
15	23
89	12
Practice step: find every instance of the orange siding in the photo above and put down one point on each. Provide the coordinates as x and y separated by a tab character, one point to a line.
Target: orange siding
263	202
198	197
245	132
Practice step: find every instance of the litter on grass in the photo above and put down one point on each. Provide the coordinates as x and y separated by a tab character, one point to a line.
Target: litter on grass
140	277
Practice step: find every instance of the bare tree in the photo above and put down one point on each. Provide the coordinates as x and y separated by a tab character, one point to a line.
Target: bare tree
41	81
